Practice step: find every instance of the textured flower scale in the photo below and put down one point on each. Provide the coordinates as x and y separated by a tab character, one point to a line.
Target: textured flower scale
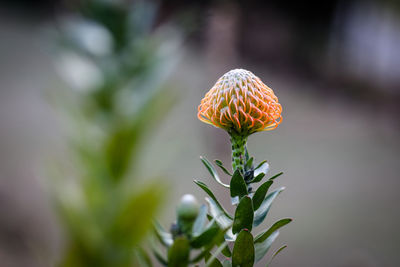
240	103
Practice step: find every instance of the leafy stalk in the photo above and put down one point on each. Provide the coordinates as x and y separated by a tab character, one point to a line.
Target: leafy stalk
252	207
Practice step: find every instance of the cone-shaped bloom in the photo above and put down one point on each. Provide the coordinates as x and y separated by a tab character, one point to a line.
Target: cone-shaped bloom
240	103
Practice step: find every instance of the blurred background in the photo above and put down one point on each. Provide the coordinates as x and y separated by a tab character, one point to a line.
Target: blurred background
335	66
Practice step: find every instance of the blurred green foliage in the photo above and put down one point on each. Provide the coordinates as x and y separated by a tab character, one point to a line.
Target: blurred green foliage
116	63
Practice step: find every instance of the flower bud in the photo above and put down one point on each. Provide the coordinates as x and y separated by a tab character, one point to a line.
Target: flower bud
188	208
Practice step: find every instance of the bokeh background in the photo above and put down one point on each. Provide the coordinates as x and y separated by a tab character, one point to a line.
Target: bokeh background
335	66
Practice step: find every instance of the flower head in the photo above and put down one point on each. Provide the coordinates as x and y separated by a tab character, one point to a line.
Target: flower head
240	103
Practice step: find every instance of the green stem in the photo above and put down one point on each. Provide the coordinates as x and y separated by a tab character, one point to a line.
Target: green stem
238	152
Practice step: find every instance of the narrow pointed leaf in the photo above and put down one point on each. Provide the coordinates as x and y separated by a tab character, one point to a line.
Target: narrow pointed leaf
178	254
261	164
212	171
261	248
243	251
262	211
258	178
263	236
276	176
220	217
238	185
246	153
205	237
219	164
249	163
276	253
163	236
243	216
260	194
200	221
201	255
263	168
209	247
210	193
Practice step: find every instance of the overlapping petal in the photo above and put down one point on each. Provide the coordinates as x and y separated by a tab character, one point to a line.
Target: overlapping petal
240	102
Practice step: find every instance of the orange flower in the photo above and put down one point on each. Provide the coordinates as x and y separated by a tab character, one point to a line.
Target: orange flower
240	103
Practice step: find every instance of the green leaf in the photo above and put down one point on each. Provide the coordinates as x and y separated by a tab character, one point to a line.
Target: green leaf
163	236
262	211
198	225
209	247
212	171
178	254
276	176
205	237
276	253
243	251
214	262
258	178
220	217
261	248
260	193
259	165
261	175
238	185
243	216
263	236
262	168
219	164
246	153
200	256
210	193
249	163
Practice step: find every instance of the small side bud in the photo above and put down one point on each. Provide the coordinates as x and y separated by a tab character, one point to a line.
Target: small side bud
188	208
